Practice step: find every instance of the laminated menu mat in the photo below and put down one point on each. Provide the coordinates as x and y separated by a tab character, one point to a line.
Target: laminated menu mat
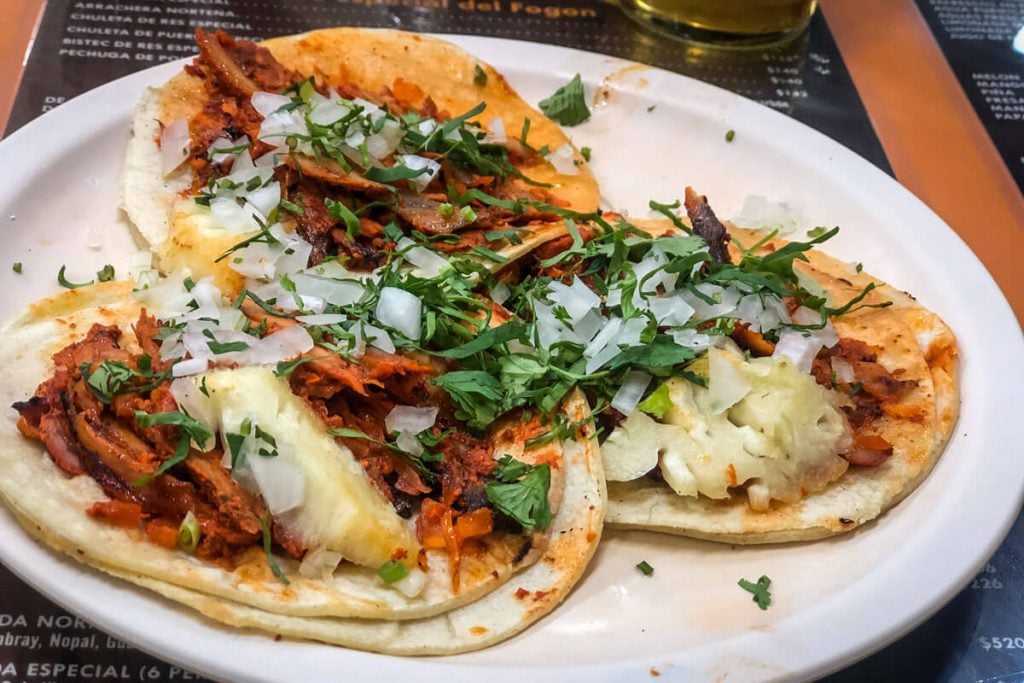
81	45
983	40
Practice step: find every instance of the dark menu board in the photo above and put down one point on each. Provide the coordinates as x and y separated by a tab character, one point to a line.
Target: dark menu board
984	43
81	45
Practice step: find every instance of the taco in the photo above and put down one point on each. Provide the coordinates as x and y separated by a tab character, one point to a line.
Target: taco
749	389
351	138
226	451
505	611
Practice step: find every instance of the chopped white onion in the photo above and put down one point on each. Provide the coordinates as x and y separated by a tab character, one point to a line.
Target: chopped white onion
627	335
138	263
333	291
691	338
428	263
577	298
255	261
603	338
413	584
217	156
563	159
410	419
500	293
401	310
265	198
587	328
385	141
279	346
280	125
319	563
631	391
843	370
760	212
649	276
550	329
328	112
266	103
759	496
725	300
198	406
726	384
375	336
812	285
799	347
671	310
174	145
322	319
192	366
415	163
496	131
408	443
235	218
282	484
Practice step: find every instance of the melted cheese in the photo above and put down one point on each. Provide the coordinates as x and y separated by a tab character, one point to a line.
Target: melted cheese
321	492
781	439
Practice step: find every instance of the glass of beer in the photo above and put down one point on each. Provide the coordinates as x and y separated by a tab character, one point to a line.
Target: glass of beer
725	22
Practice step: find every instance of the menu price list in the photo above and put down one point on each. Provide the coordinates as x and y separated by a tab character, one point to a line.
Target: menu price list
977	637
41	643
83	44
984	43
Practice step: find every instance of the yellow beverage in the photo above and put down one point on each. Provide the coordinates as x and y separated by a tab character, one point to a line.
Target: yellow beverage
725	21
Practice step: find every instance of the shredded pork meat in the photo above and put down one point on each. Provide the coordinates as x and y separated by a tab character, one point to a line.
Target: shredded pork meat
233	70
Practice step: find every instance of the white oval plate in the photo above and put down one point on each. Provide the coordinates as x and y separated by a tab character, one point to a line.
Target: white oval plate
834	601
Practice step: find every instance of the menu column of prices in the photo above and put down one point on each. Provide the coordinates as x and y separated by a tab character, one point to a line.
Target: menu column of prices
41	643
984	43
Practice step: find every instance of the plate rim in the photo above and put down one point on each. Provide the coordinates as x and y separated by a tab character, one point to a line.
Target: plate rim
836	660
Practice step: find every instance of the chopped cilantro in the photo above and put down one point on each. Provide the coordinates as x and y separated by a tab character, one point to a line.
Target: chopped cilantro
658	403
817	232
393	571
393	173
730	135
285	367
340	212
762	596
479	76
189	533
475	394
196	430
105	274
112	378
265	524
16	267
218	347
490	254
521	492
64	282
585	153
181	452
293	208
568	105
